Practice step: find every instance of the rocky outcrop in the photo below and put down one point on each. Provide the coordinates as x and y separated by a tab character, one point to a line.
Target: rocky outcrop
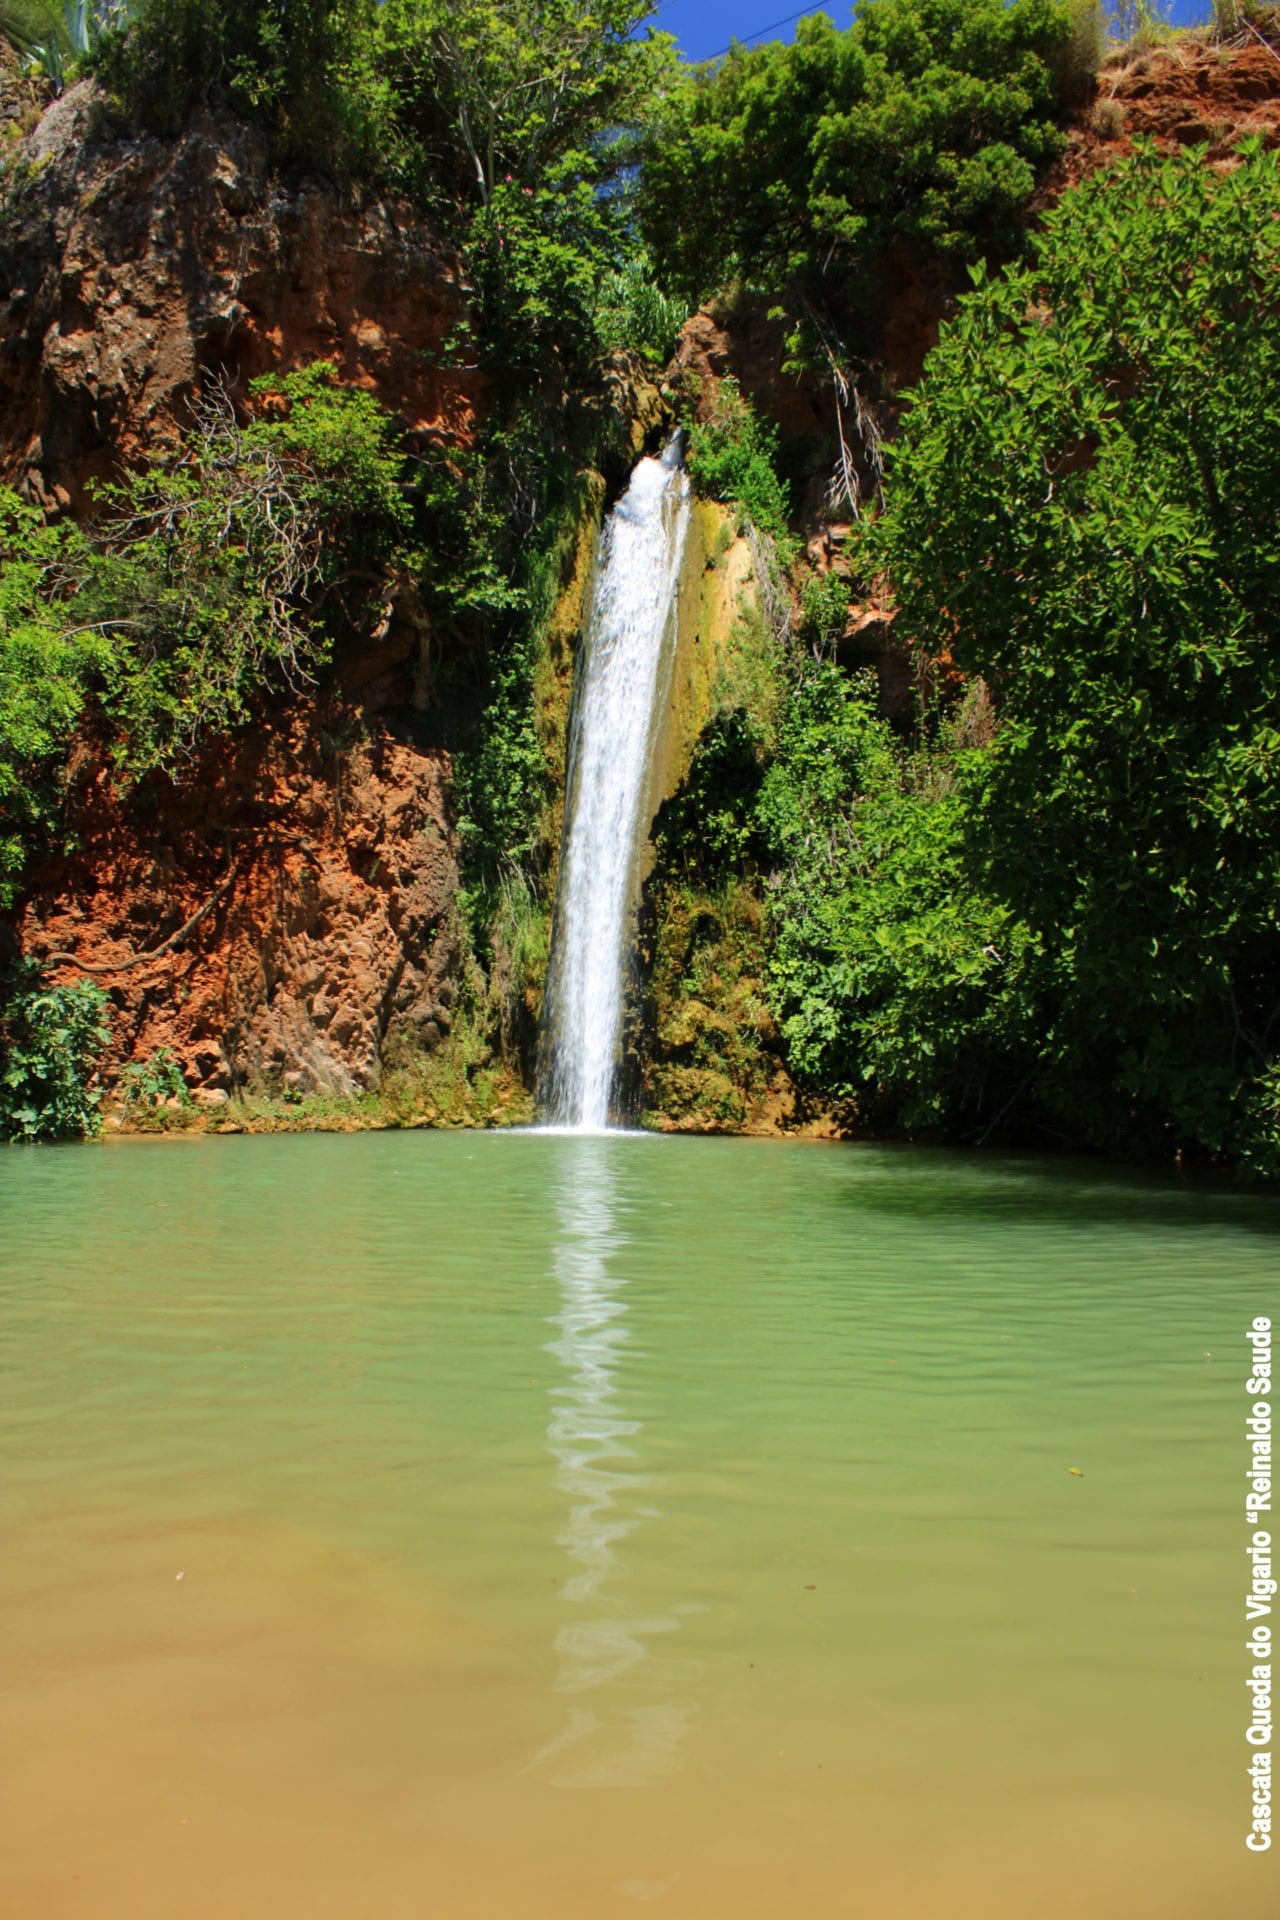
311	881
131	269
1186	94
308	864
742	340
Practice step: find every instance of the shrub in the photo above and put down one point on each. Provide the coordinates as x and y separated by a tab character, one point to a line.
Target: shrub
634	313
508	120
50	1040
895	981
732	457
1107	119
798	169
1082	509
47	665
151	1083
277	62
825	599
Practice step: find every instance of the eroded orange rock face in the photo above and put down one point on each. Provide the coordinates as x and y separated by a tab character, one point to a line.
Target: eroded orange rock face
750	347
329	877
1183	95
130	269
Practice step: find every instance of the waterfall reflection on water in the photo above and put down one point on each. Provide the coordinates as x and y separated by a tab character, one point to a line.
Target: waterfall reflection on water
631	1708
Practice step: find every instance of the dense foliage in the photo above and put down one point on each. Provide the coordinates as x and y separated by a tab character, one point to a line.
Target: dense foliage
732	456
508	120
899	983
1050	912
46	663
199	584
1075	925
795	169
50	1039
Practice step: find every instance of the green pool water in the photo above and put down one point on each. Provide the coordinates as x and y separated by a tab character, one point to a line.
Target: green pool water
449	1526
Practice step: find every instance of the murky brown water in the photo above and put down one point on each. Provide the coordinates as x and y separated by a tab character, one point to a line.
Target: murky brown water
572	1528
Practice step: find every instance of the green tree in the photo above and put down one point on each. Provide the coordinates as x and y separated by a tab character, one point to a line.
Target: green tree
1083	511
279	60
501	91
795	169
47	664
509	120
524	113
897	983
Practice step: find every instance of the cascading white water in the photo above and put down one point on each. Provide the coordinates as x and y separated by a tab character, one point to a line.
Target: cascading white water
623	685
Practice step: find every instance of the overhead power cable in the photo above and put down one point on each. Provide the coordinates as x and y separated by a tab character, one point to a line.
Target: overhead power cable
746	39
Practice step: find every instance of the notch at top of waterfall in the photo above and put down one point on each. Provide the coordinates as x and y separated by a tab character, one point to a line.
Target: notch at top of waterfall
622	688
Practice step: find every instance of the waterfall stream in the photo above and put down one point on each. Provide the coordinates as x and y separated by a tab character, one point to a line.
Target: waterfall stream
624	679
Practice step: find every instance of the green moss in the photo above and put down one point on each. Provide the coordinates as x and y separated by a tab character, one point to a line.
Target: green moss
709	1046
712	1063
461	1084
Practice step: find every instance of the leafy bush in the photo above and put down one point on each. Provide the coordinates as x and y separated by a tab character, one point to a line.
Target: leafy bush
504	780
895	982
732	457
825	599
634	313
797	168
537	255
151	1083
47	664
706	830
50	1040
1082	510
502	776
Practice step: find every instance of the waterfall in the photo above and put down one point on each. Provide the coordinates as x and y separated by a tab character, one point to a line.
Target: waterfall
623	683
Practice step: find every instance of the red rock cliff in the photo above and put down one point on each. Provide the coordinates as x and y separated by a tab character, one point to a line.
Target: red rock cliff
317	850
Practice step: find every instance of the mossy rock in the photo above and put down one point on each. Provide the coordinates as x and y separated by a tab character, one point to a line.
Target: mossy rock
691	1026
697	1100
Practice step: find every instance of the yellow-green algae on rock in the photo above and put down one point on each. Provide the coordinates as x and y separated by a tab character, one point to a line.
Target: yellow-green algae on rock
709	1059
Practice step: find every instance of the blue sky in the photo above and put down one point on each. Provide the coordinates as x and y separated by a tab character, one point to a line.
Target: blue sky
705	27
